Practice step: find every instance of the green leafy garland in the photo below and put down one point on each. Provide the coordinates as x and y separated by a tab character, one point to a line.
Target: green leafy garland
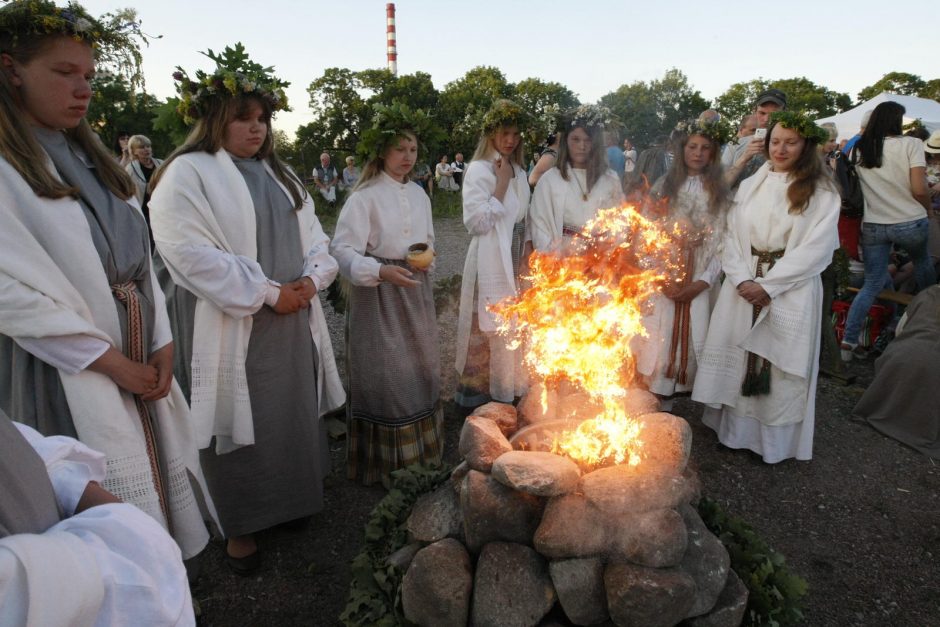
235	74
775	594
505	112
718	130
374	592
115	37
388	124
588	116
798	122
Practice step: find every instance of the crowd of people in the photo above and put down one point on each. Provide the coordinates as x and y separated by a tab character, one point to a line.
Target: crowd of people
166	359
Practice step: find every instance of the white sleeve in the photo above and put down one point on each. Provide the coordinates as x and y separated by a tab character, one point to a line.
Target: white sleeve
481	210
350	241
69	353
710	272
70	464
318	264
110	565
542	215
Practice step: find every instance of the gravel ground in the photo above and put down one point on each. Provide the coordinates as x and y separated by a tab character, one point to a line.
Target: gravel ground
860	522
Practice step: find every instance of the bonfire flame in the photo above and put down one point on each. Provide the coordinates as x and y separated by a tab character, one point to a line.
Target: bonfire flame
578	316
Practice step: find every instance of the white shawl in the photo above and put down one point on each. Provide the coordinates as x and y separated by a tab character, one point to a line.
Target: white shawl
52	284
787	332
203	222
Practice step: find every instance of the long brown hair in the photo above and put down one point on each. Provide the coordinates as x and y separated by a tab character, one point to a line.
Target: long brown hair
806	175
713	179
597	159
208	135
23	152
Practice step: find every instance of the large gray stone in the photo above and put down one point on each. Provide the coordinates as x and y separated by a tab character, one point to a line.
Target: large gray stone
570	527
535	472
580	406
656	539
503	414
436	516
693	487
491	512
436	589
579	584
626	489
706	560
539	404
647	597
729	609
512	587
401	559
667	443
481	442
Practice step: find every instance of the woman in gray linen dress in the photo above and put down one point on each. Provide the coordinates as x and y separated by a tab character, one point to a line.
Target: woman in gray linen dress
247	255
85	345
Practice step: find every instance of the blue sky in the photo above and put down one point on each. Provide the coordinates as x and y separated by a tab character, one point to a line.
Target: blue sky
592	46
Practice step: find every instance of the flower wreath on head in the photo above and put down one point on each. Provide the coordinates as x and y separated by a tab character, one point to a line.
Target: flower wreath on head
114	37
587	116
718	130
798	122
389	123
235	74
505	112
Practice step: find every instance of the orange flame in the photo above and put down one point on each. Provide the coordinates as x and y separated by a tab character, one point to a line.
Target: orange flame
578	316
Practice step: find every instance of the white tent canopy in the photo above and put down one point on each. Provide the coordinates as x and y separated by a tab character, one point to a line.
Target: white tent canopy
849	122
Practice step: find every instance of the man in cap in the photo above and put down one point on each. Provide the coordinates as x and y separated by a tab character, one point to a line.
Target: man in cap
742	160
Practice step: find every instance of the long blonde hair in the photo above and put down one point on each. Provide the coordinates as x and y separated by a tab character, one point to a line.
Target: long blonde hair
23	152
208	135
485	147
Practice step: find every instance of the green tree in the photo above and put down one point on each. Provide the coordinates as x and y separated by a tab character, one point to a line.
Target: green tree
338	108
814	100
648	110
738	100
539	97
802	94
901	83
114	108
170	123
464	101
931	90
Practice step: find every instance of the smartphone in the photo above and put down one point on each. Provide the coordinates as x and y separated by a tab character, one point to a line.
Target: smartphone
760	133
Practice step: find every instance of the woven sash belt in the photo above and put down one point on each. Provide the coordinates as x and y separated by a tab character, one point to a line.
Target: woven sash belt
755	382
135	351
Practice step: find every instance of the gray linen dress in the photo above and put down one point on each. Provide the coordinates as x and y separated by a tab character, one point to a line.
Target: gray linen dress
27	501
31	391
280	477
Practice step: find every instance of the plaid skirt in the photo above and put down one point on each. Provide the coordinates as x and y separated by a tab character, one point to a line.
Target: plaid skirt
393	412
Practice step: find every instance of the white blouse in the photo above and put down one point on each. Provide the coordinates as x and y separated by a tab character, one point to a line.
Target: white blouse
381	219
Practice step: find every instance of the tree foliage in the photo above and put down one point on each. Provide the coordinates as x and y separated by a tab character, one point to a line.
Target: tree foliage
648	110
803	95
901	83
115	107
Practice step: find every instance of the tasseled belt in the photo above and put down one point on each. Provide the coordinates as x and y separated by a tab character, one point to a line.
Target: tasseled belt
755	382
680	324
135	351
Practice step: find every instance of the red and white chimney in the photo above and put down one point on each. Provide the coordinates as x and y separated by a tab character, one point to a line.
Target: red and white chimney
390	36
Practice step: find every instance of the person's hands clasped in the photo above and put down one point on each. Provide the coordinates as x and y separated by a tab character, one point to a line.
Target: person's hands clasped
127	374
162	360
303	286
752	292
396	275
291	299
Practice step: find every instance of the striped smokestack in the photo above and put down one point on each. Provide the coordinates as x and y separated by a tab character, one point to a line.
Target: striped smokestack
390	35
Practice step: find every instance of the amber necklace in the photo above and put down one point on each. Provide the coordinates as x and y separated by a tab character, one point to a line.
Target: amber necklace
574	175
